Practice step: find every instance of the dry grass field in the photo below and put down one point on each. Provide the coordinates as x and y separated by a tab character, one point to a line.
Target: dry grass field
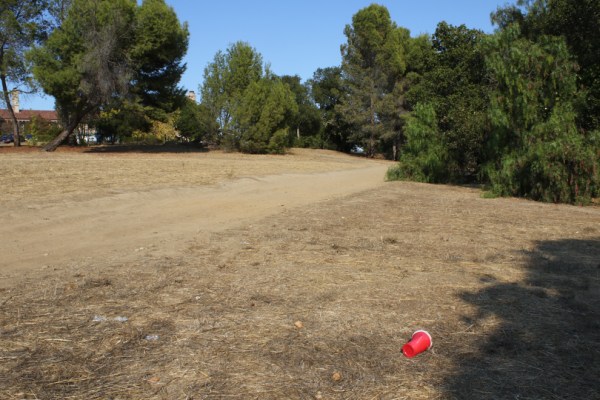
312	301
31	176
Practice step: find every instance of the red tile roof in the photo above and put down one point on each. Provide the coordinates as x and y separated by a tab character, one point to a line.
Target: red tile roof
26	115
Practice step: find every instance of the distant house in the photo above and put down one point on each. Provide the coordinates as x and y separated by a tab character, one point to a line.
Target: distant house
191	95
84	134
23	116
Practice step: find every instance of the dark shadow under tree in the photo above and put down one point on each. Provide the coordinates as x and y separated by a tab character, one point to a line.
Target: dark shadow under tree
546	344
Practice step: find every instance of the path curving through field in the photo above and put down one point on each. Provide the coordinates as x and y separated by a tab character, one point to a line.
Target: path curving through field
119	226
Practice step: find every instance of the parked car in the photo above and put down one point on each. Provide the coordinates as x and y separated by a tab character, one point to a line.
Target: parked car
357	150
10	138
7	138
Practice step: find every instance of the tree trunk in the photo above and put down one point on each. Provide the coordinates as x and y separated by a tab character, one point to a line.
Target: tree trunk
373	122
57	141
13	117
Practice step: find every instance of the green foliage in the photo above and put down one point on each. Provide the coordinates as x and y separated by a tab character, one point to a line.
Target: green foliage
159	133
562	168
374	41
307	121
420	55
159	46
41	130
164	131
21	25
513	108
266	107
225	81
155	58
374	59
532	79
488	194
122	118
84	63
536	149
279	141
327	88
578	22
254	111
310	142
453	82
424	157
195	123
109	55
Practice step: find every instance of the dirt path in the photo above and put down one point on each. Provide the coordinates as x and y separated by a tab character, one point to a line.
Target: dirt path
122	225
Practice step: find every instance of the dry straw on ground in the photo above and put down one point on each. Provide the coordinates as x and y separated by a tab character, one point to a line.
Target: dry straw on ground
29	175
509	290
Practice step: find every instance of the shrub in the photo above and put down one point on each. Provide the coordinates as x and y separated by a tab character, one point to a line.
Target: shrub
279	142
564	170
424	157
41	130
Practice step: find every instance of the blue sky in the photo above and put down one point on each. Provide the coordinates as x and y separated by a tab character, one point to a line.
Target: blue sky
297	37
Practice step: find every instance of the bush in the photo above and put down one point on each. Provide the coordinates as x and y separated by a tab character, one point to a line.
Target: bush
560	171
310	142
41	131
424	157
279	142
536	148
195	123
160	133
263	117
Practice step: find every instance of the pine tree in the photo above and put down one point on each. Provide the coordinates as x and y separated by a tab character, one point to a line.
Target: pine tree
373	60
536	149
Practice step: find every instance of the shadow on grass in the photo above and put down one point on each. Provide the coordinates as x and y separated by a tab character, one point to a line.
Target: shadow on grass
546	341
147	148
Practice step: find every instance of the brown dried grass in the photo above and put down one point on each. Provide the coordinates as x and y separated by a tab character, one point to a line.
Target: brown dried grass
508	289
31	176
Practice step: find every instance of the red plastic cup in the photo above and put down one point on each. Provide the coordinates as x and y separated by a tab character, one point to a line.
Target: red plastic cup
420	341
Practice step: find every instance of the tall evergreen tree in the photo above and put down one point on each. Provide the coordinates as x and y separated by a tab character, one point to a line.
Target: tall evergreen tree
160	44
373	60
454	83
225	81
106	50
85	63
327	88
156	60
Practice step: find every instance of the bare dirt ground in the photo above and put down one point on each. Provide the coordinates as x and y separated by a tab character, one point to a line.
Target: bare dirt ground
106	203
207	275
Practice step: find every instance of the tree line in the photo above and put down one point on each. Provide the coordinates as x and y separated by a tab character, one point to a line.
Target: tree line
517	110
